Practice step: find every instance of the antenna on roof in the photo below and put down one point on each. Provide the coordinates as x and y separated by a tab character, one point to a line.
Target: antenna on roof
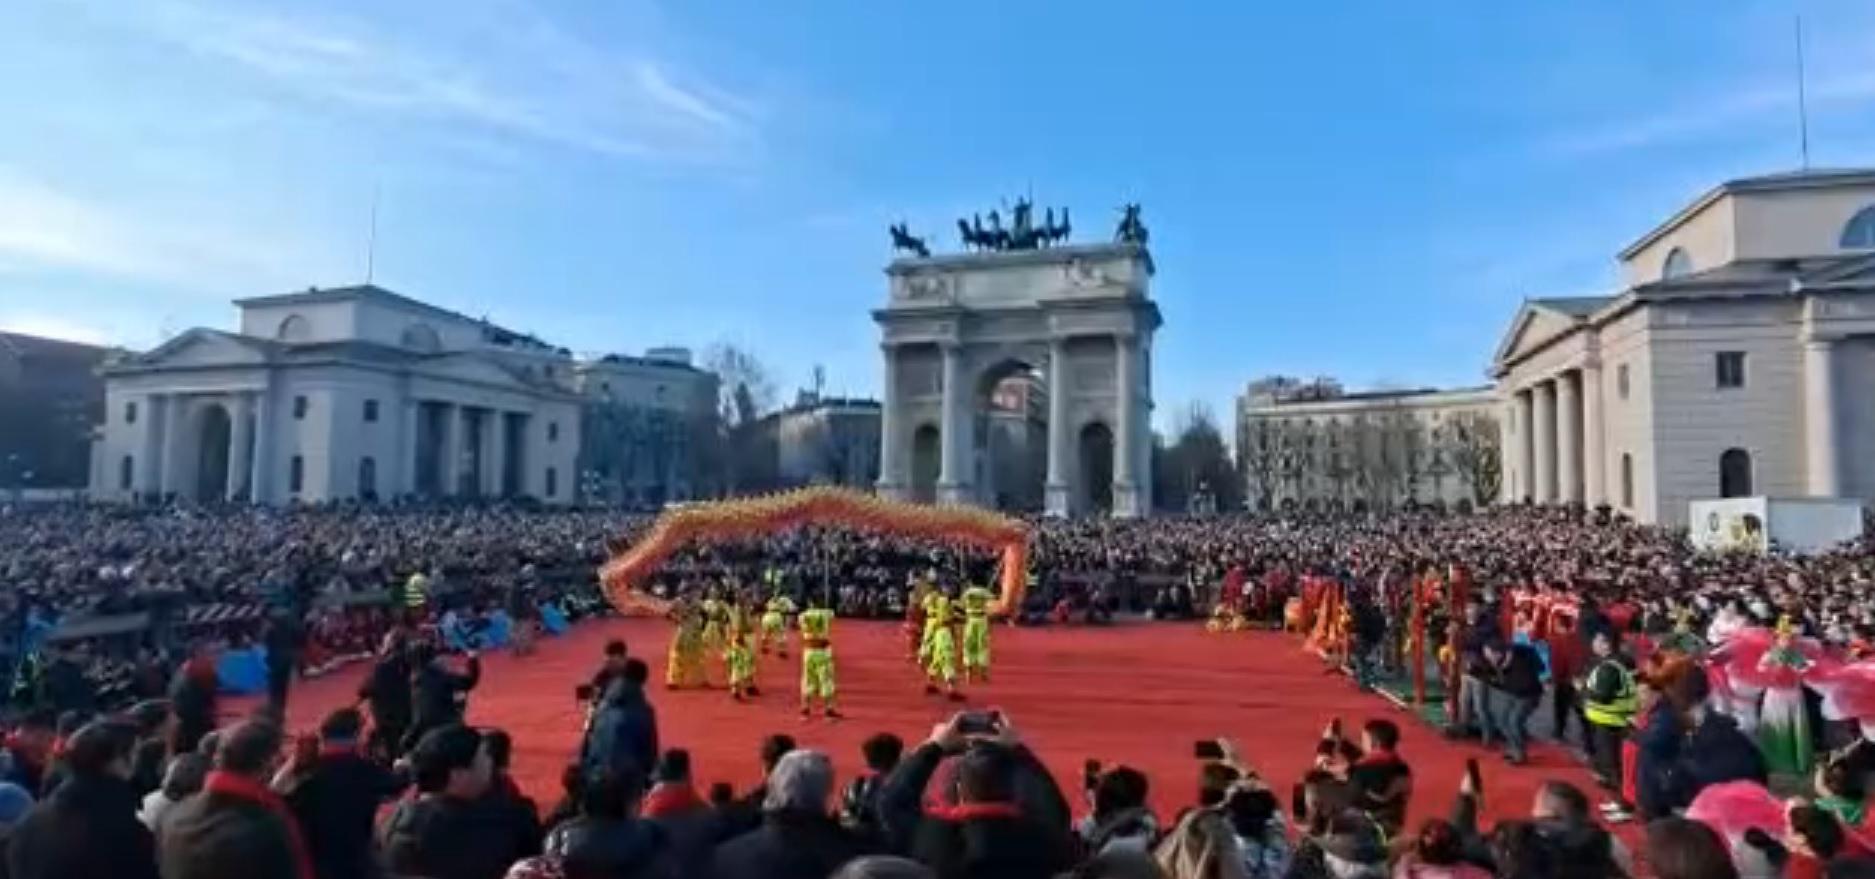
371	243
1803	106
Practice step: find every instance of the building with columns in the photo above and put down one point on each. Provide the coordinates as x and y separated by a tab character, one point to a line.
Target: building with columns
1737	359
1374	449
350	393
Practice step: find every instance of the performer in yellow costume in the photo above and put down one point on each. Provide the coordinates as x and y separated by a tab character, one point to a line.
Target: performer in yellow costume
937	615
739	652
816	624
775	624
684	662
977	602
940	668
715	614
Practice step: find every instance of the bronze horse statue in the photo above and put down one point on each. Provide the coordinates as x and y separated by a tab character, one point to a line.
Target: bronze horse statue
902	239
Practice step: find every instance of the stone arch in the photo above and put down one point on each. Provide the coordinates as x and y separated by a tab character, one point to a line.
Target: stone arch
1094	459
927	449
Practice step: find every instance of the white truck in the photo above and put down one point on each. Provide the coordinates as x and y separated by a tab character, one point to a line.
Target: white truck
1804	525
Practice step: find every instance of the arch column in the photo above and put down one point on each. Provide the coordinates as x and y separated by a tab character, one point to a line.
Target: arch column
1824	476
1059	491
953	476
1127	502
1594	461
1568	440
259	487
892	451
167	477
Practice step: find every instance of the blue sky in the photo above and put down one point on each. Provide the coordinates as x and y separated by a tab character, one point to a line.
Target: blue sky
1362	189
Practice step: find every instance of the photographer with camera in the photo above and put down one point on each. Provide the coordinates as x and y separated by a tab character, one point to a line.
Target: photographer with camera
1003	815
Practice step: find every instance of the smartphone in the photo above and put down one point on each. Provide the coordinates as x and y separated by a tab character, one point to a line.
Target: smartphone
1207	749
979	723
583	693
1334	728
1090	774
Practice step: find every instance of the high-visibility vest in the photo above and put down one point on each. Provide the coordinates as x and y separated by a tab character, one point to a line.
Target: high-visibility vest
1619	710
416	590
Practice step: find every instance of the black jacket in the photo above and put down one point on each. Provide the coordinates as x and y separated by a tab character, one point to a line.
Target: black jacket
336	803
1521	675
1716	752
789	845
87	829
387	690
193	699
610	848
218	836
436	695
624	732
1027	838
441	837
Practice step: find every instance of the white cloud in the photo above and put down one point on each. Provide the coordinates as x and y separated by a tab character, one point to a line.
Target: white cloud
1731	109
55	327
495	66
45	227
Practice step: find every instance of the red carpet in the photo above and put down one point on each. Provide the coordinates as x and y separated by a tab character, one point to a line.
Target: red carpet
1136	694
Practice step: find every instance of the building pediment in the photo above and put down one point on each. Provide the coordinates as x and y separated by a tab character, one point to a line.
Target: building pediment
201	347
485	371
1541	321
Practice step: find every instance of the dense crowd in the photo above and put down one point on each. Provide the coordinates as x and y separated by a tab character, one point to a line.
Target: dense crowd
142	784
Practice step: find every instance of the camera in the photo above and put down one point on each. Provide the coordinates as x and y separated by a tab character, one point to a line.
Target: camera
979	723
1207	749
583	693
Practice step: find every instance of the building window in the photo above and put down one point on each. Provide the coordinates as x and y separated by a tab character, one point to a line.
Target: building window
553	482
553	431
126	473
299	408
1735	473
293	329
130	412
1621	381
1678	264
368	478
296	474
1859	233
1627	480
371	411
1731	368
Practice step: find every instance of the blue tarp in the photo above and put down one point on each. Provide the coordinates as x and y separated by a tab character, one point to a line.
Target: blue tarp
242	671
552	619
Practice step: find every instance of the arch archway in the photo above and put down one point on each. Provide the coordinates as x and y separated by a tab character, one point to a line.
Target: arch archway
214	432
927	452
1094	451
1009	443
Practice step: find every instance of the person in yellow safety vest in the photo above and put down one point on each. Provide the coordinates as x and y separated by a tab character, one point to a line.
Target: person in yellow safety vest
416	595
1610	701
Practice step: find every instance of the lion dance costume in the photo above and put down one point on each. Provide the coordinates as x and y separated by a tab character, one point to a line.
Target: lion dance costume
817	661
977	601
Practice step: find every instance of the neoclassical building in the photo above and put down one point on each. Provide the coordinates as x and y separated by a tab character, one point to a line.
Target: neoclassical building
335	394
1317	446
1737	359
644	421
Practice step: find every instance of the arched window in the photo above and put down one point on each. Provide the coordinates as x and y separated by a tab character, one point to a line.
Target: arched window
368	478
126	472
1859	232
1735	473
1677	264
294	328
1627	480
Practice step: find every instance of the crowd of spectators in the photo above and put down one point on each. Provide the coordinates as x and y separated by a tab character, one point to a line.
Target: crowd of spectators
120	792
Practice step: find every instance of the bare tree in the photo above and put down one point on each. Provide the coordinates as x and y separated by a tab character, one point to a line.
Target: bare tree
1472	449
745	392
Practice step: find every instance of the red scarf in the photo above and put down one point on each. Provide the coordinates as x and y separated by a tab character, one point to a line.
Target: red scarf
671	799
243	788
972	811
1377	756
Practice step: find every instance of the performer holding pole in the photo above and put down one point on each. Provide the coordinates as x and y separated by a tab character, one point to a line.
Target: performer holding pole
816	625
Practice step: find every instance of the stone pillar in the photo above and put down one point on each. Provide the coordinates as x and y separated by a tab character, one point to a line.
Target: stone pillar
149	475
953	478
1526	444
495	454
409	433
449	481
1543	484
1823	470
1594	453
1059	488
1126	500
240	433
260	483
891	443
1568	439
168	480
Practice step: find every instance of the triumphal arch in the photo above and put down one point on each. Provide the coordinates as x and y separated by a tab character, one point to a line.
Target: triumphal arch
1072	324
